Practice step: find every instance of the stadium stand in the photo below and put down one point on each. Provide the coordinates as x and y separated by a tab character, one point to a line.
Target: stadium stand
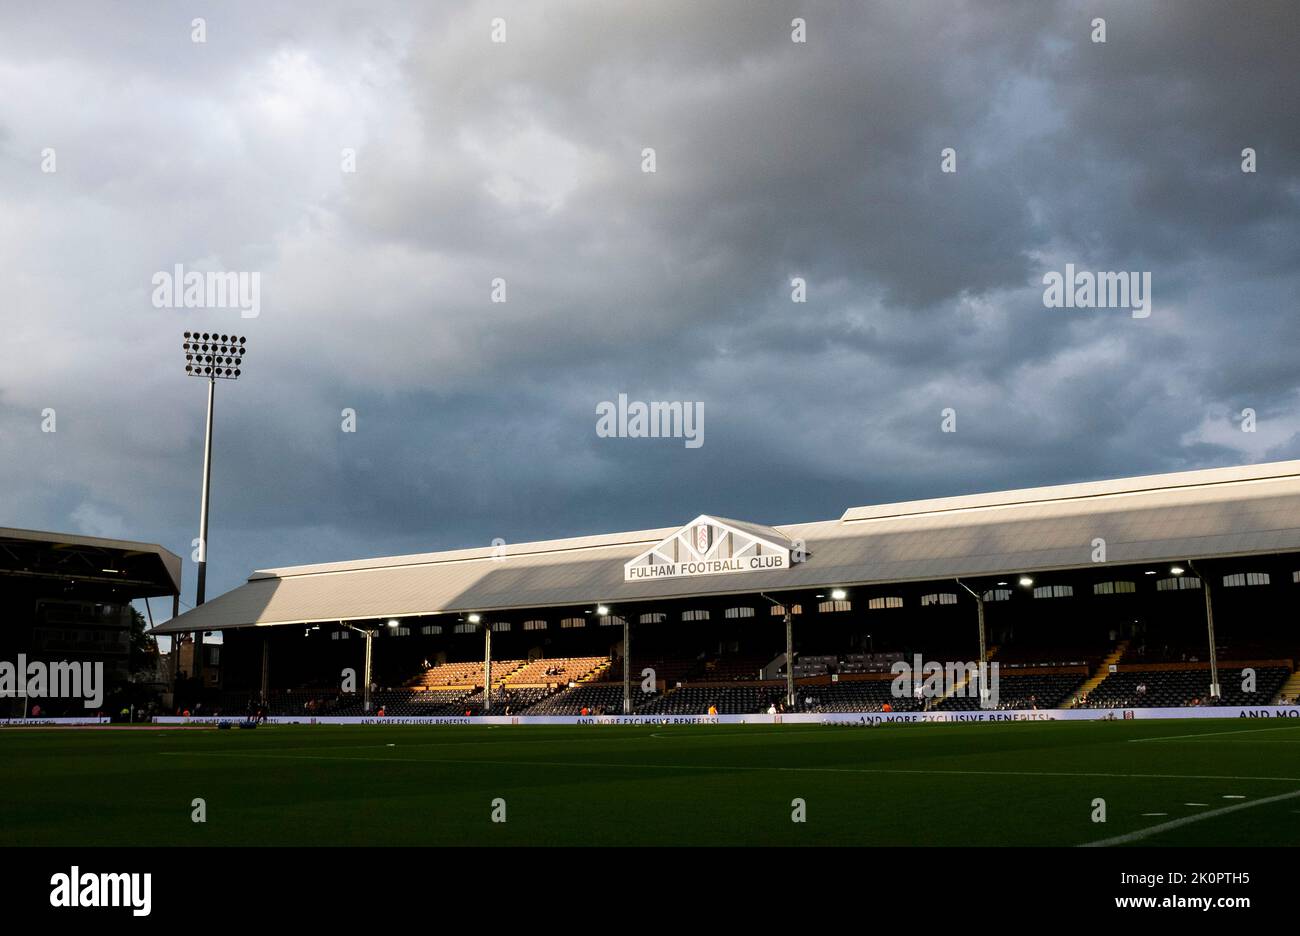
597	698
805	665
867	662
1037	691
669	670
1184	685
860	695
1032	674
562	670
1059	635
729	700
505	701
430	702
1073	655
464	674
729	668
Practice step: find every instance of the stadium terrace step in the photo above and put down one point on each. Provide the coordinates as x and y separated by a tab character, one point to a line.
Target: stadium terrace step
1100	675
601	671
1290	689
959	687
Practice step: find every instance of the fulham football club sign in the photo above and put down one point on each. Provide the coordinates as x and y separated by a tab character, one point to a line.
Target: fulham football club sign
711	546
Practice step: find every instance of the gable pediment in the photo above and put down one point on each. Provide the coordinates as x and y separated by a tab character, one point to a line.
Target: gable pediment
711	546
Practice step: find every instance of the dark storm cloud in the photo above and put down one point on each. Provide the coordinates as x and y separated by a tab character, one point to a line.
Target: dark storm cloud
522	161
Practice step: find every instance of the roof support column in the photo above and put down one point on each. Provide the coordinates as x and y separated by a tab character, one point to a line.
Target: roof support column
789	648
1209	632
487	667
176	648
370	637
266	669
789	659
627	664
983	657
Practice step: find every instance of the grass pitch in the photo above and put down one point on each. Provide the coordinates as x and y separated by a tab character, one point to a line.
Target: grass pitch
1192	782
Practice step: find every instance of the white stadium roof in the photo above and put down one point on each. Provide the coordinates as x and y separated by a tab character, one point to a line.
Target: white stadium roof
1221	512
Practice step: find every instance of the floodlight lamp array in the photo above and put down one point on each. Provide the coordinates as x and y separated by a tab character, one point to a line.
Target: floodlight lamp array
208	354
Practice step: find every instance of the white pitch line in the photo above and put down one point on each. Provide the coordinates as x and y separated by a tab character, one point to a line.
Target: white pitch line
1188	820
1211	734
434	744
748	734
722	767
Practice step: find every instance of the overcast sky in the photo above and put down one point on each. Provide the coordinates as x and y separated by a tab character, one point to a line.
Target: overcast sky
523	160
